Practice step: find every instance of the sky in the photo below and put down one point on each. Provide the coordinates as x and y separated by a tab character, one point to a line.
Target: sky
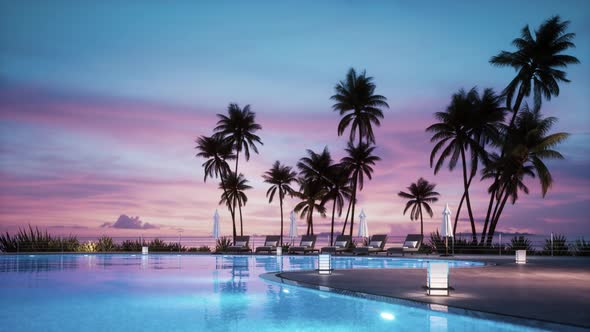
101	102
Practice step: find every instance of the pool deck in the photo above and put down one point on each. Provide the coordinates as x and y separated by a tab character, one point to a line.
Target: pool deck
550	289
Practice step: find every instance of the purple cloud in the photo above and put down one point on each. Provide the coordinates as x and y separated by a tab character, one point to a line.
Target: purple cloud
126	222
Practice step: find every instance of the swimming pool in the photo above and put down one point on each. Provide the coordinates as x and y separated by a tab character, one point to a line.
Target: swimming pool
200	293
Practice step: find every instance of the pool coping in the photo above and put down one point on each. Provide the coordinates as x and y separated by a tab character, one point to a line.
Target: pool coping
277	278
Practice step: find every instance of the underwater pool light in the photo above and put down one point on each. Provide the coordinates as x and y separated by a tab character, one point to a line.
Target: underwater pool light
387	316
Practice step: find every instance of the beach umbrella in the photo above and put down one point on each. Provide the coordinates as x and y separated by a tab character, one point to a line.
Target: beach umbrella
446	228
216	225
293	226
363	230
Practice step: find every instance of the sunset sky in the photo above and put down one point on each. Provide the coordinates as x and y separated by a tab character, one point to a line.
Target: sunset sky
101	102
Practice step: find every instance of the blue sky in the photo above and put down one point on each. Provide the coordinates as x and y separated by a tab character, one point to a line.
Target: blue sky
99	81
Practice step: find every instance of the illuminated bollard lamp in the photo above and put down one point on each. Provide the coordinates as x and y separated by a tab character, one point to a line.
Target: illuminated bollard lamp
520	257
437	280
325	264
144	250
279	251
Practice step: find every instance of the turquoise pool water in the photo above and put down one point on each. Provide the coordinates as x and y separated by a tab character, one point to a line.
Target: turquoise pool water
200	293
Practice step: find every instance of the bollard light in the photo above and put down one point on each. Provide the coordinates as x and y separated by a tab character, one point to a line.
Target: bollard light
279	251
521	257
144	250
437	281
325	264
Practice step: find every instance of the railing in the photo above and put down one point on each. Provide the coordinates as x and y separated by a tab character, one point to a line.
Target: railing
501	244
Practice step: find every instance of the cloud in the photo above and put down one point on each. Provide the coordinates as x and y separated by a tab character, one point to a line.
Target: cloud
126	222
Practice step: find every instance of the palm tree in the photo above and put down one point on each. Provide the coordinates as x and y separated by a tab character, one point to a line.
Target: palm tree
483	125
338	191
358	105
527	145
537	61
280	177
236	187
238	128
421	193
315	166
217	152
358	163
311	194
452	135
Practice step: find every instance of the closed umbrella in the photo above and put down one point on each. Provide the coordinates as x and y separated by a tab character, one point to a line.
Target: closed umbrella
446	229
363	227
293	226
216	225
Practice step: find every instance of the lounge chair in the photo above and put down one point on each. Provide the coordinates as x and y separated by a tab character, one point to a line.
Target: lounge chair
412	244
340	245
241	244
270	244
307	244
376	245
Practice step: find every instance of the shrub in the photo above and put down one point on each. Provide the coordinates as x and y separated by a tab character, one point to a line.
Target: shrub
581	247
560	246
132	245
285	247
204	249
520	243
105	243
36	241
222	244
87	247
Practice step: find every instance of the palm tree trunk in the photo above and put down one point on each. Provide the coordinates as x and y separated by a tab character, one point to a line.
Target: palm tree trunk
231	211
346	219
281	205
491	215
474	235
332	229
353	203
311	219
421	220
241	224
495	221
458	212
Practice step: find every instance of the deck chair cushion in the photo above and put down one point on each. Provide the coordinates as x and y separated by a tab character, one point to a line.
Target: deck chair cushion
270	243
340	244
306	243
240	243
375	244
410	244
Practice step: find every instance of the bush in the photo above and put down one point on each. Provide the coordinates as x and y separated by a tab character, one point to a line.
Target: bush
581	247
520	243
132	245
222	244
87	247
560	246
36	241
105	243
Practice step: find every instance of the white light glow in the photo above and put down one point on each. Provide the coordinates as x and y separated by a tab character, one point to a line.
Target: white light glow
387	316
286	291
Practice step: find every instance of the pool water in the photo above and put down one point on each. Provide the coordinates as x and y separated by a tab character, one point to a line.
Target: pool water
200	293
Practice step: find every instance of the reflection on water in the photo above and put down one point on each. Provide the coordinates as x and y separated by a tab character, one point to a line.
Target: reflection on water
196	293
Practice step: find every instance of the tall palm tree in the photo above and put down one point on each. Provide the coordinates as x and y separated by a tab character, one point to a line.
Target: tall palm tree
527	145
358	163
280	177
452	135
484	121
420	194
238	128
311	193
236	187
538	62
338	191
315	166
217	152
358	105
